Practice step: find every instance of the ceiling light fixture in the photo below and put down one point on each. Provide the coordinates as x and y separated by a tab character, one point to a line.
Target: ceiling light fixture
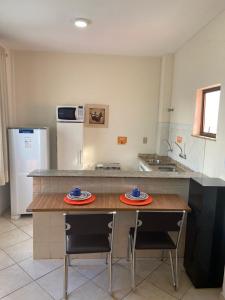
81	22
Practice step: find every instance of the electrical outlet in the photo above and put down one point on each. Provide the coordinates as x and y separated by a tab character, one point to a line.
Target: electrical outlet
179	139
145	140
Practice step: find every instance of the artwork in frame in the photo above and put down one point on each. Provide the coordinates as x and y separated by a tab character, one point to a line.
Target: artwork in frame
97	115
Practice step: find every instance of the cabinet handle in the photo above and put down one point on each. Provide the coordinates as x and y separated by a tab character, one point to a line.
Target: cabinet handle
80	153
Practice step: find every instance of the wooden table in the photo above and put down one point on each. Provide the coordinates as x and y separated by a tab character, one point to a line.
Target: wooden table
106	202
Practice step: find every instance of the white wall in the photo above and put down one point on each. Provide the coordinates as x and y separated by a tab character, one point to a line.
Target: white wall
200	63
129	85
164	104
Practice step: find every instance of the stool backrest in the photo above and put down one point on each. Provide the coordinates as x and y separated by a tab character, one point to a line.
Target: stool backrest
78	224
159	221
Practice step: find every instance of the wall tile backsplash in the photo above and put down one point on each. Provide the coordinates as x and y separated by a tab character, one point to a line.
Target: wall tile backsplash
194	147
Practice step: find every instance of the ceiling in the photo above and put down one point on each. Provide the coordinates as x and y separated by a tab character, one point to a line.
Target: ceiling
124	27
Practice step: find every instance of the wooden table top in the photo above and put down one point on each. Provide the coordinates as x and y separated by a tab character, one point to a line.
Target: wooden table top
106	202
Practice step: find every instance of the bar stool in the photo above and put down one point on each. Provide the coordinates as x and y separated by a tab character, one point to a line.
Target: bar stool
151	231
88	233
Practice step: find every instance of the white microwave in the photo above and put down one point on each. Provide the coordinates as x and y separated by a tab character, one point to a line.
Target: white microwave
74	114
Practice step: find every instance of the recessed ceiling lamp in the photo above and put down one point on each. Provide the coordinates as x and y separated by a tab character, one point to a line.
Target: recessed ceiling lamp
81	22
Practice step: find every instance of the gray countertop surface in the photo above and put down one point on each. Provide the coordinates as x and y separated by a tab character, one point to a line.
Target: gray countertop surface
112	173
182	171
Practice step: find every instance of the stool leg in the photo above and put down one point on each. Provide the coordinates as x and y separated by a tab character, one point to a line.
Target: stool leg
65	276
110	272
69	260
128	248
176	268
172	269
162	255
133	270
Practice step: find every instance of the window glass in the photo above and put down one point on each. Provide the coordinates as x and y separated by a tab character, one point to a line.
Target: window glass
210	112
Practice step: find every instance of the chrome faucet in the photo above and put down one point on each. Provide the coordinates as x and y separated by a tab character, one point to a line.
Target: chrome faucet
170	149
182	153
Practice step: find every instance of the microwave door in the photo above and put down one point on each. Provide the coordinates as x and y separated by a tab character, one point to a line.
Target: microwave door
66	113
75	113
71	113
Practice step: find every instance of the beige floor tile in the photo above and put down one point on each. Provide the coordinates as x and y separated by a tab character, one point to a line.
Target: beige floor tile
180	263
28	229
31	291
21	250
121	281
5	260
202	294
12	237
7	214
5	225
12	279
147	291
23	221
89	291
143	266
89	267
161	277
40	267
53	282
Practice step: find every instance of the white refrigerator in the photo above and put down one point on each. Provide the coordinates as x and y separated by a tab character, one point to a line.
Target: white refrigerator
70	139
28	150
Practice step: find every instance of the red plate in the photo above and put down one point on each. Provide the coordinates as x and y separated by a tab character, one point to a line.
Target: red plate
147	201
80	202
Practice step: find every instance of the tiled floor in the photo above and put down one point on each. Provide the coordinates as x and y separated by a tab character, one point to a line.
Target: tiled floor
22	278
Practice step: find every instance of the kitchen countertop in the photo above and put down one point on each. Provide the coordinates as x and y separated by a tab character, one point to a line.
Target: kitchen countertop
114	173
183	172
210	182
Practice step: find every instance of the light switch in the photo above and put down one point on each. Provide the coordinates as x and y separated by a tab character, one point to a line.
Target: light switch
145	140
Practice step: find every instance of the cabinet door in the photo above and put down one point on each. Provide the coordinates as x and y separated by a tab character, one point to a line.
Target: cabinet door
192	238
70	146
192	257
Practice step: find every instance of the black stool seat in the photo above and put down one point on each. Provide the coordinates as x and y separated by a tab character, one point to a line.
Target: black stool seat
153	240
85	243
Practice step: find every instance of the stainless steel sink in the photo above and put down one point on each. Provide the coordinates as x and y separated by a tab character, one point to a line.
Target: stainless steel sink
168	168
157	162
153	162
163	165
168	165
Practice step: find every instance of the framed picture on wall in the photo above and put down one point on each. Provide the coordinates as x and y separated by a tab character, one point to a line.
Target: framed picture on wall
96	115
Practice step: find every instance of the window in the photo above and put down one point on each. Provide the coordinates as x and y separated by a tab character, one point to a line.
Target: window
207	111
210	110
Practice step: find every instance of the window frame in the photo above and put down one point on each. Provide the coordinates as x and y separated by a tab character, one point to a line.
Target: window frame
204	92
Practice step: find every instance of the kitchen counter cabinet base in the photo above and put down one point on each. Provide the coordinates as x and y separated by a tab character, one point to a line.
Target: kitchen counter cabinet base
48	237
